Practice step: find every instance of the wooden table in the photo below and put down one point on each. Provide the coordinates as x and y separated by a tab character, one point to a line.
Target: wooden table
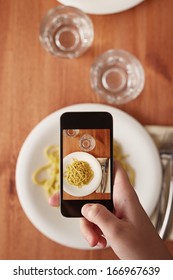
34	84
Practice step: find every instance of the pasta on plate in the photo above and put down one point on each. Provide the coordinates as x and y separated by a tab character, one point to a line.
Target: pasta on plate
78	173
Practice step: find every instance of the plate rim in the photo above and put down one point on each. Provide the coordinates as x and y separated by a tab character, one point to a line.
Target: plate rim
102	10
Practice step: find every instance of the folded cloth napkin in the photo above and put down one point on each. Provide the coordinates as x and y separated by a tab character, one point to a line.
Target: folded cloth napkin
158	134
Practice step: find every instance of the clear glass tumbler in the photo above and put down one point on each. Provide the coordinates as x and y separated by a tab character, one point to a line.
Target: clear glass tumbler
66	32
87	143
117	76
71	132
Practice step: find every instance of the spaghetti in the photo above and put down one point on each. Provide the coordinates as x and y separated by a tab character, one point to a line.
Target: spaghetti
122	158
47	176
78	173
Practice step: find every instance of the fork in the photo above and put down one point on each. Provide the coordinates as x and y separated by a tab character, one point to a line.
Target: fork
104	167
166	151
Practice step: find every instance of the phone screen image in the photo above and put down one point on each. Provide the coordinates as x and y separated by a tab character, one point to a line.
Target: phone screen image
86	167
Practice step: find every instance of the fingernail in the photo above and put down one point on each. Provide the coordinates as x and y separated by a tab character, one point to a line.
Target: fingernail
99	245
89	239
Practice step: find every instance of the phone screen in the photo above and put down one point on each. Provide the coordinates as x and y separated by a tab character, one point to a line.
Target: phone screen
86	161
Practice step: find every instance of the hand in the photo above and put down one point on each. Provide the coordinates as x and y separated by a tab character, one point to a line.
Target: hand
128	231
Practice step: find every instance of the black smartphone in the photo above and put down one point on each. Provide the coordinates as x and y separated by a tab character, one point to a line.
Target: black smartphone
86	160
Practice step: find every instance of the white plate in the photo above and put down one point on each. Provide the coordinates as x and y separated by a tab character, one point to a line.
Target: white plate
136	142
93	184
103	7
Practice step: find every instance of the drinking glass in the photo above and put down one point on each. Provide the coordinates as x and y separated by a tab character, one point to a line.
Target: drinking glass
87	143
71	132
66	32
117	76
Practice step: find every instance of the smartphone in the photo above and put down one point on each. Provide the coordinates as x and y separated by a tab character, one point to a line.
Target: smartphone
86	161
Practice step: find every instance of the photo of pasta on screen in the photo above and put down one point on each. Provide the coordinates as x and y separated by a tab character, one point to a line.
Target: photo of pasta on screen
78	173
48	176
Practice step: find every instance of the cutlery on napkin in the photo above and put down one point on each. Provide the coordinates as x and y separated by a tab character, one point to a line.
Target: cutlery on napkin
104	186
163	216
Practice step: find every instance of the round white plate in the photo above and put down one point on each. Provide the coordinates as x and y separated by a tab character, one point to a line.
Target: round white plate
93	184
103	7
136	142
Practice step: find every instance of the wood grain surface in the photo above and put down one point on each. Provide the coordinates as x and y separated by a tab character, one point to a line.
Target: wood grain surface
34	84
100	141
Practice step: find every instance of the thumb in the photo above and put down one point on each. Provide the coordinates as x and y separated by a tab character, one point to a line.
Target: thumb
103	218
